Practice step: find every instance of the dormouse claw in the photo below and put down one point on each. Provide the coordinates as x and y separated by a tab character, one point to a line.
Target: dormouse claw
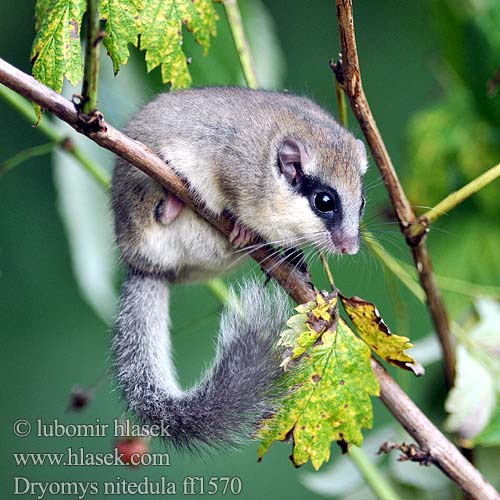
240	235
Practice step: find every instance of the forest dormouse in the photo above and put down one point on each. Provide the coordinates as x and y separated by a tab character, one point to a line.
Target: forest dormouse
288	172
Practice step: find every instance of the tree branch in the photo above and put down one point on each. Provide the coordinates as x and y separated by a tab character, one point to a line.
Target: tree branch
296	283
374	478
348	74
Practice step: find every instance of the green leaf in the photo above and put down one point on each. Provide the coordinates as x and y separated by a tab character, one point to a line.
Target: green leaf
372	329
56	51
161	35
122	28
41	7
333	382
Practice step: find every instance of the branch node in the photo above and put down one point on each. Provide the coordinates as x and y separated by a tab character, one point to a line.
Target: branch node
409	452
338	70
416	231
67	144
91	122
99	38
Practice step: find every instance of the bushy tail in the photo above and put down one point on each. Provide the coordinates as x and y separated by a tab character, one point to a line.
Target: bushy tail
235	392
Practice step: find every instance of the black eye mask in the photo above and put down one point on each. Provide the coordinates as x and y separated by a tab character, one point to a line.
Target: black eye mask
324	200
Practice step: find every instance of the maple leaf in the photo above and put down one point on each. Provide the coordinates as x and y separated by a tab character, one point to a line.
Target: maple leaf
332	383
161	35
122	28
56	51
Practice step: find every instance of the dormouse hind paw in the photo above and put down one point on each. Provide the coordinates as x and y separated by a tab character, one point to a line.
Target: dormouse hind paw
168	209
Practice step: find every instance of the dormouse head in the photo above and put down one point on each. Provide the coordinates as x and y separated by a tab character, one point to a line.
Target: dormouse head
323	180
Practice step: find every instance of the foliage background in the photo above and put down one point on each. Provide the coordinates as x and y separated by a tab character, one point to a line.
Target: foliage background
53	339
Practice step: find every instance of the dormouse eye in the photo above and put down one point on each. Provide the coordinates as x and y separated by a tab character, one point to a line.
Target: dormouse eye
325	202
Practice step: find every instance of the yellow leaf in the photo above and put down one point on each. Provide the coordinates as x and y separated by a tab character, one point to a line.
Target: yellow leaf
372	329
332	384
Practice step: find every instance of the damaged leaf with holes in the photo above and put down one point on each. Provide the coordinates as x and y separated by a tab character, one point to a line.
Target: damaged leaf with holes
57	51
371	328
330	401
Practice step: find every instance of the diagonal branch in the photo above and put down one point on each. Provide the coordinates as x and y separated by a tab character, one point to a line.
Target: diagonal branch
297	284
348	74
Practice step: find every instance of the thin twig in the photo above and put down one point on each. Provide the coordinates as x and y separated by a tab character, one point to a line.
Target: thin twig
241	42
296	283
380	485
348	74
452	200
27	154
47	128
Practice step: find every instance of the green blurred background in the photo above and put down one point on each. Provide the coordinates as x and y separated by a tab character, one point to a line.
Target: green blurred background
424	66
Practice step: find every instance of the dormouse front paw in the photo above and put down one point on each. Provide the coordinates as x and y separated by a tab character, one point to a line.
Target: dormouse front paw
241	236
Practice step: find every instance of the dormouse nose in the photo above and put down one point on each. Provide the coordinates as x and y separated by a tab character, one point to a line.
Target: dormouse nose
346	244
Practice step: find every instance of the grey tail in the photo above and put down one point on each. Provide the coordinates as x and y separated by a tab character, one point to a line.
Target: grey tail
241	386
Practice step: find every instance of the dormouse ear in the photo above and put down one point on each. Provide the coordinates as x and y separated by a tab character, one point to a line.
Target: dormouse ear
290	158
363	166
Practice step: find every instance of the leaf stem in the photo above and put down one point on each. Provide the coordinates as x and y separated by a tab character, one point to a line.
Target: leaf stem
341	105
22	156
375	480
91	69
241	42
45	126
421	225
393	265
220	289
327	269
342	108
